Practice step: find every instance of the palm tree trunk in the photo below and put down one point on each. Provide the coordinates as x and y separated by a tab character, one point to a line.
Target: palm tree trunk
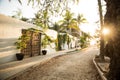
101	36
59	42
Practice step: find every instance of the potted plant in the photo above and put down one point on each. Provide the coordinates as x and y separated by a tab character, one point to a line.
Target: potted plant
44	52
21	44
45	42
19	56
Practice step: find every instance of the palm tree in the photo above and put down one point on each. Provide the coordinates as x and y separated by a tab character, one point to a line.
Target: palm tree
61	37
41	19
80	19
84	39
69	24
101	36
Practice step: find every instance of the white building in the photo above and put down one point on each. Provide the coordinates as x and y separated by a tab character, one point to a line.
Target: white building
10	31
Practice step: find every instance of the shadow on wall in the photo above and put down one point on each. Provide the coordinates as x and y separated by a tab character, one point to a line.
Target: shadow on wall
7	58
7	50
7	44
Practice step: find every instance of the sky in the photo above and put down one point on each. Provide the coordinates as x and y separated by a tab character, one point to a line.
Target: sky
89	9
10	8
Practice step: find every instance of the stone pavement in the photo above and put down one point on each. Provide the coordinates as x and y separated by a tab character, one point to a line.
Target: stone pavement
8	70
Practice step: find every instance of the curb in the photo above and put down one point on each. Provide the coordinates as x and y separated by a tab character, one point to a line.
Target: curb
99	71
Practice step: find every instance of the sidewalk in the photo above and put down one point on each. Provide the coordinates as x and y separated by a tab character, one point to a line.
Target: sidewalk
8	70
102	67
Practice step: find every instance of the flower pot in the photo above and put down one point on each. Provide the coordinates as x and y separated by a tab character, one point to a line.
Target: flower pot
20	56
44	52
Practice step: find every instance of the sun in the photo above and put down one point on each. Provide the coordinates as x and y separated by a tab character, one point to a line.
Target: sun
105	31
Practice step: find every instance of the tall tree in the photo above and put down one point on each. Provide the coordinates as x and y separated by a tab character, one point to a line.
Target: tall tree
80	19
59	40
101	35
112	20
41	19
69	24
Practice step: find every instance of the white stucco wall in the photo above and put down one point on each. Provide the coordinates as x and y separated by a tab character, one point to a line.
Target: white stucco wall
10	31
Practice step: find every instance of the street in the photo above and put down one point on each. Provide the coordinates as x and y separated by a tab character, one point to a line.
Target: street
76	65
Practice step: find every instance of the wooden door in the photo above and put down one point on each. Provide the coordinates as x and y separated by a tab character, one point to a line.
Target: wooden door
33	47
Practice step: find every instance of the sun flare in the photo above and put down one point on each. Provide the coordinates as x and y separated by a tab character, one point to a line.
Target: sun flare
106	31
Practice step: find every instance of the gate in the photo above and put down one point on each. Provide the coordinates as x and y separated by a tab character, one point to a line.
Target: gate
33	45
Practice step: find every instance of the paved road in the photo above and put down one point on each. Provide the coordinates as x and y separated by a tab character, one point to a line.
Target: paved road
74	66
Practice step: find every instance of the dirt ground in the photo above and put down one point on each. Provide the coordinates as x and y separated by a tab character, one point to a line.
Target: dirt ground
73	66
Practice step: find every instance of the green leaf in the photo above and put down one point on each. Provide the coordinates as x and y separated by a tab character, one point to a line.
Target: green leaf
20	2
